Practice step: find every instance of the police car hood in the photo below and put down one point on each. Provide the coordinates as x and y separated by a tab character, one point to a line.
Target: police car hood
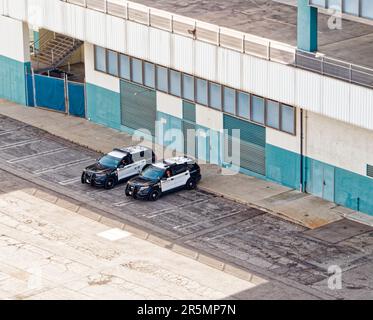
142	181
99	168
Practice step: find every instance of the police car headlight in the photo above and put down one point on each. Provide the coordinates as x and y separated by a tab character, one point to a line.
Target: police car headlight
143	189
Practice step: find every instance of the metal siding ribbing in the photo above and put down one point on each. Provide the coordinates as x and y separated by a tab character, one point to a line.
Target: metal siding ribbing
75	17
205	55
182	54
56	14
308	90
336	99
36	12
229	67
252	153
95	27
159	46
137	40
361	106
281	83
255	78
17	9
116	33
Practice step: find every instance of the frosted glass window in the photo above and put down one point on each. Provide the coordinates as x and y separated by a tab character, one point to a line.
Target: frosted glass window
229	100
175	83
188	87
201	94
215	95
137	70
320	3
366	8
273	114
149	71
257	109
124	63
112	62
162	79
335	4
351	7
100	59
243	105
287	119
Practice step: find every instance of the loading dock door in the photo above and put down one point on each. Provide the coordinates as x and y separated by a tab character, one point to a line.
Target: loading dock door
252	144
139	107
321	180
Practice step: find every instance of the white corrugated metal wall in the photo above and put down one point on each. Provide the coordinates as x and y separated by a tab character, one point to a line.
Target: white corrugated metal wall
327	96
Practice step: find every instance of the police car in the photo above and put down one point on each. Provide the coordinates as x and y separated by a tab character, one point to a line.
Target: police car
169	175
118	165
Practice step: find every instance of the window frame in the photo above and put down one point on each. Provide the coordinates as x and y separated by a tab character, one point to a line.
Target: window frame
157	80
180	83
266	114
294	133
252	109
108	64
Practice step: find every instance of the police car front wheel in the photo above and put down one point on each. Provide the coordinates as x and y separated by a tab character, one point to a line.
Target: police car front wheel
154	195
109	183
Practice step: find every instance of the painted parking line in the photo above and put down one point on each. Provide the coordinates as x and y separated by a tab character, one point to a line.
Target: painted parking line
62	165
167	210
49	152
2	133
19	144
70	181
122	203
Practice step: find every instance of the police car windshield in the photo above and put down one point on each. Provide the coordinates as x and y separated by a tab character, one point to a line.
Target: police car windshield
109	161
153	173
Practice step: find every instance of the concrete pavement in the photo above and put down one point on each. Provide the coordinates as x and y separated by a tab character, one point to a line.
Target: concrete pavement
304	209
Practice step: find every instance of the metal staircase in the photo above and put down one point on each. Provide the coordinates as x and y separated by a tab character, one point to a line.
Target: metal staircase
53	52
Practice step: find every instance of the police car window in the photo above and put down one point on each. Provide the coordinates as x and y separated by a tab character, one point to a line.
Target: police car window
109	161
179	169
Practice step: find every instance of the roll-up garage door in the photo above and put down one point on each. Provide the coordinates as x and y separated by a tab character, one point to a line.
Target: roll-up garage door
252	144
139	107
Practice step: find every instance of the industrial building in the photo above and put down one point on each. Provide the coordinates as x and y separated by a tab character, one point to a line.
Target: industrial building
299	90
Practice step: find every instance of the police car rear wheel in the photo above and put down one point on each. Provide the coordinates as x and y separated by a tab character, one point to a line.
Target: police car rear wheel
109	183
83	178
154	195
191	184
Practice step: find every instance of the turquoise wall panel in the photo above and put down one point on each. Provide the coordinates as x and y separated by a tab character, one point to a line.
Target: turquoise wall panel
354	191
283	166
307	26
13	80
103	106
166	137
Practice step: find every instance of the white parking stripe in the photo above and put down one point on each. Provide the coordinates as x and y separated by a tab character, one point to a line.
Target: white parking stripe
19	144
19	159
69	181
3	133
62	165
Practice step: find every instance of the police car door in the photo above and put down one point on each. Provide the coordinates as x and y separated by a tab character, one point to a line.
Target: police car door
128	170
181	175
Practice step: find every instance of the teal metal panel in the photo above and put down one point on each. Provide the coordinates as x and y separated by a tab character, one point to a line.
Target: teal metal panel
139	107
189	111
203	143
283	166
354	191
307	26
13	81
103	106
252	145
320	179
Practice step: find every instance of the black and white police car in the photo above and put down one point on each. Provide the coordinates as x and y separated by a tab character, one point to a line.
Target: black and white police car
163	177
118	165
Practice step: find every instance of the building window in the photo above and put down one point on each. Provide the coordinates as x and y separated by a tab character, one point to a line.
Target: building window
351	7
257	110
366	9
188	87
124	65
287	119
243	105
175	83
149	74
100	59
162	79
229	100
273	114
137	70
112	59
215	95
201	94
